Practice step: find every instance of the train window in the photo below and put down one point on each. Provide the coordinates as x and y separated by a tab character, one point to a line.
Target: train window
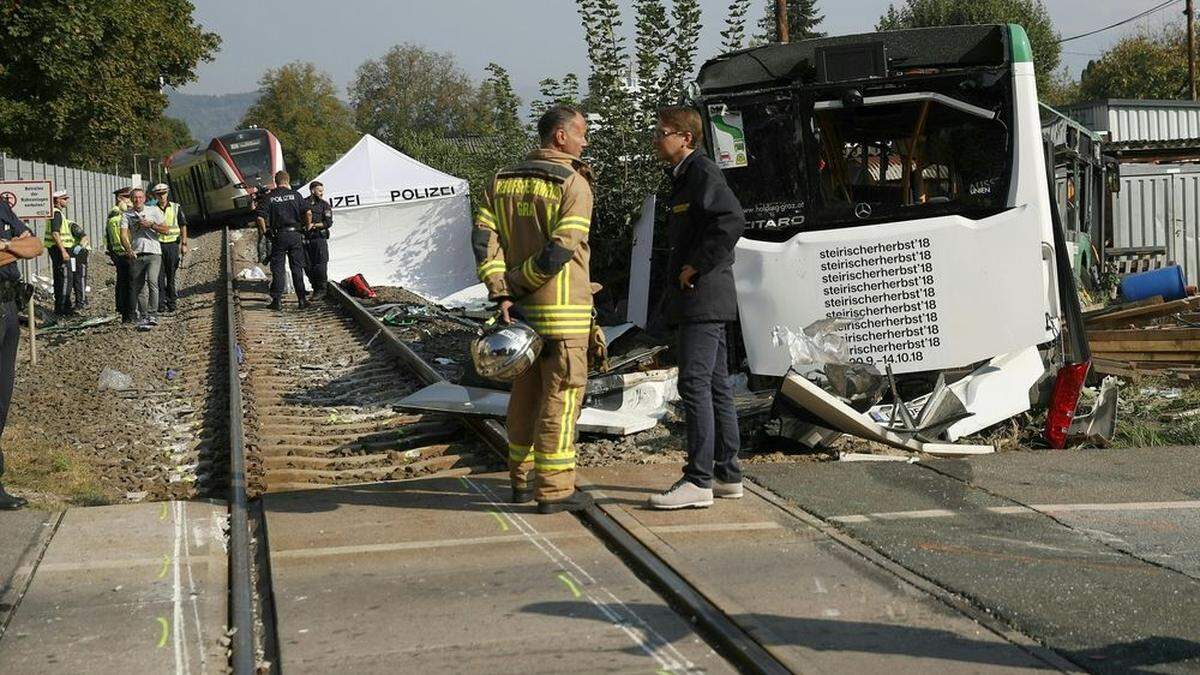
216	176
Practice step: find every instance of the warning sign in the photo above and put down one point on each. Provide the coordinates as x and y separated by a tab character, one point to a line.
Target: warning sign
29	199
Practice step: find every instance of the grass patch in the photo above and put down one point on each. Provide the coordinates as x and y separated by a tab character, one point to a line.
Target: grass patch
52	476
1155	413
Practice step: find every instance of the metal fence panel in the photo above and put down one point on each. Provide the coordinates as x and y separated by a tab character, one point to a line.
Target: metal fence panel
1159	205
91	197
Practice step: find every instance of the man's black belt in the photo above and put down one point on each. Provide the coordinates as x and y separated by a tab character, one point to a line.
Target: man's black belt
289	228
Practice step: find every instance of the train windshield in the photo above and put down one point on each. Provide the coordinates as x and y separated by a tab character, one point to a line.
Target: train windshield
250	152
821	158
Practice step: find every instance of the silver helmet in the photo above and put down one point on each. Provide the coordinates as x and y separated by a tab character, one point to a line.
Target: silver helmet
504	351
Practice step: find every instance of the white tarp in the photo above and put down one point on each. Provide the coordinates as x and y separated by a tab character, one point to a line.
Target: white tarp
398	222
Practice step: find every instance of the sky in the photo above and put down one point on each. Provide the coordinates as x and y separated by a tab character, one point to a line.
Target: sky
533	39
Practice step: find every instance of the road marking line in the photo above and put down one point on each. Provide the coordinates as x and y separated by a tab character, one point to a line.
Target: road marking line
414	545
1011	510
499	519
562	576
165	566
650	641
194	594
166	628
177	628
716	527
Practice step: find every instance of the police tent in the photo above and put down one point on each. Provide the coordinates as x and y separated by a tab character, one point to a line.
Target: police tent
397	221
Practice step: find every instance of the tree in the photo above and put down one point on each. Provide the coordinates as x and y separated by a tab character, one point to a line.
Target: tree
412	89
624	90
1030	14
501	140
557	92
80	82
802	21
299	104
164	138
733	37
1143	65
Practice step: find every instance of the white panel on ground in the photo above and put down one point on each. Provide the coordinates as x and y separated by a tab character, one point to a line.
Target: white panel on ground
453	398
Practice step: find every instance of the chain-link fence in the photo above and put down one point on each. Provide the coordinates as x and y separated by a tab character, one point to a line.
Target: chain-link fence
91	197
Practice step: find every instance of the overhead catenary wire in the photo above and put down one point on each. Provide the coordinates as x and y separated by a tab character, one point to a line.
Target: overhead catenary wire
1122	22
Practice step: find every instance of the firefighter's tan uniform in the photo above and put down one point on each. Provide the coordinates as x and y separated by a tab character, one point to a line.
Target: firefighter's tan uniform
531	244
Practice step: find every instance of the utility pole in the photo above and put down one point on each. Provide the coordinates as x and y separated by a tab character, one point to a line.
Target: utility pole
781	19
1191	22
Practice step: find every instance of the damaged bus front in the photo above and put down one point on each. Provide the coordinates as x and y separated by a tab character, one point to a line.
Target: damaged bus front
899	178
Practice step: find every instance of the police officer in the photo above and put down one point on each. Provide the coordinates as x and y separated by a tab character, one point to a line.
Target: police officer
704	224
119	255
16	242
316	238
60	241
174	246
285	216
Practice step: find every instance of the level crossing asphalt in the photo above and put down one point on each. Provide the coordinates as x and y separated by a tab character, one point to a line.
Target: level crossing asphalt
1092	552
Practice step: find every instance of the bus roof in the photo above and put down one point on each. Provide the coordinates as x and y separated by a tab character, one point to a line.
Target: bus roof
777	64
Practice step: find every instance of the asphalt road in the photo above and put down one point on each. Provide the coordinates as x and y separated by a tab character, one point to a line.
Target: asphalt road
1096	553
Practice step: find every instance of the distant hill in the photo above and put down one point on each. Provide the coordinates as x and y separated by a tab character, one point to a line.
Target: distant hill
209	116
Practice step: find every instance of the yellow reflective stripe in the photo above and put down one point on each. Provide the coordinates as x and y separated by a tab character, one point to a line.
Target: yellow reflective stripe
519	453
489	268
558	309
535	277
501	226
566	432
573	223
551	216
535	187
485	224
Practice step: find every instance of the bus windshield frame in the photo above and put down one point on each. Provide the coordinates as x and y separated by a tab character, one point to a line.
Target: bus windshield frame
897	149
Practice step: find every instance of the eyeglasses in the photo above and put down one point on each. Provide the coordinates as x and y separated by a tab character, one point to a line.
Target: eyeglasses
660	134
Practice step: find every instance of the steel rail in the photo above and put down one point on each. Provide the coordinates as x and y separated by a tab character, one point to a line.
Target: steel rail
241	580
722	631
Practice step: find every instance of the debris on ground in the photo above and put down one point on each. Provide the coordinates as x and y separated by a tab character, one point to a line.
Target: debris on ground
114	380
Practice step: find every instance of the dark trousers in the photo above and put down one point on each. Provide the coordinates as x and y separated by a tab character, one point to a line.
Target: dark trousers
288	246
61	269
10	338
707	394
167	294
317	253
79	277
124	288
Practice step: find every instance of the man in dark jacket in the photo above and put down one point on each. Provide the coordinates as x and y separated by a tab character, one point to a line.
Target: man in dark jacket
705	221
316	239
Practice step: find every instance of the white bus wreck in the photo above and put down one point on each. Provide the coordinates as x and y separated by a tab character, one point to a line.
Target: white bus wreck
899	178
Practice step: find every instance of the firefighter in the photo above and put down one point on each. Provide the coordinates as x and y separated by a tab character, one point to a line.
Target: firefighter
284	216
704	223
530	240
59	240
316	239
119	255
174	245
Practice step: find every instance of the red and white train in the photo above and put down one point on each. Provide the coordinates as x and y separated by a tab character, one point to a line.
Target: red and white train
215	182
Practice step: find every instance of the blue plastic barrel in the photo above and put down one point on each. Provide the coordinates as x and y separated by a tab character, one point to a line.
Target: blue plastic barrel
1167	282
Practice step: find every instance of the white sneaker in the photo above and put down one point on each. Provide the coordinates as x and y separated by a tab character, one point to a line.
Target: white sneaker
683	494
727	490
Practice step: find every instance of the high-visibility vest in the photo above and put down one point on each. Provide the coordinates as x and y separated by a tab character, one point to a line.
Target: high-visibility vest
64	232
171	214
113	231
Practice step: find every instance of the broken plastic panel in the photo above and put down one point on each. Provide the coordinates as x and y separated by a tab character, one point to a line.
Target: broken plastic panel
822	355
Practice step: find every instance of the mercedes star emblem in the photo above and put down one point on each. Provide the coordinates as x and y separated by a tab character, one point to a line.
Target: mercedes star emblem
862	210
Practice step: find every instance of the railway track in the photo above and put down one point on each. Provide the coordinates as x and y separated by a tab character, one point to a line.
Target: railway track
311	405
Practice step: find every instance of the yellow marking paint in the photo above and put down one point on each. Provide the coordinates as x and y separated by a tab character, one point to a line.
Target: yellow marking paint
562	576
464	482
166	629
166	563
496	515
163	514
